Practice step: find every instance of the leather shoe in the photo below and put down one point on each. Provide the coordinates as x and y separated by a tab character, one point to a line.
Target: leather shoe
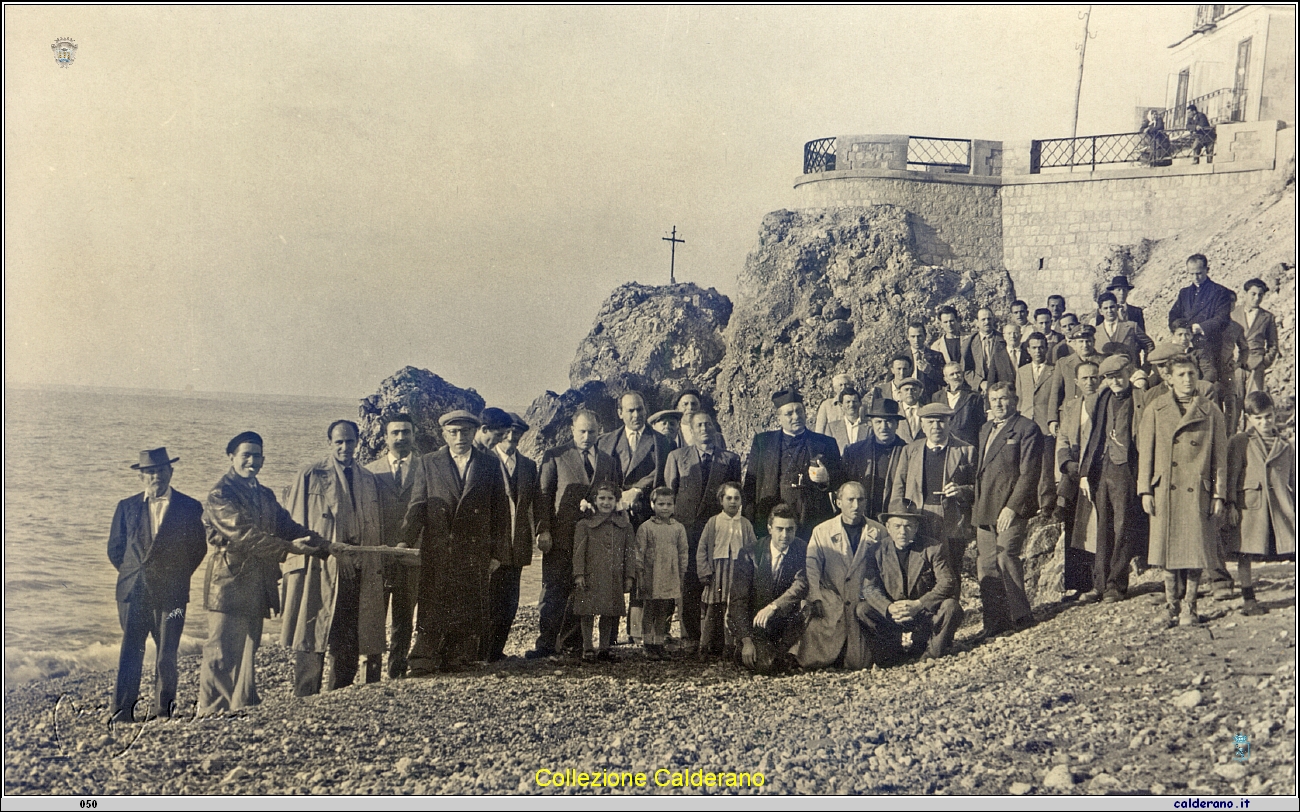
1111	596
1091	596
538	654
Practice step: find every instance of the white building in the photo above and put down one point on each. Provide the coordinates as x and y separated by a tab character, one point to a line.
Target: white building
1237	64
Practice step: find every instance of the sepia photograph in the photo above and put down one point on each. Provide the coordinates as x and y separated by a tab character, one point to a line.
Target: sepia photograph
668	400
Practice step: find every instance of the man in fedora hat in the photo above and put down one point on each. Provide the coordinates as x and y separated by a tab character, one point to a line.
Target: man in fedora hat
936	477
460	507
873	460
791	465
1119	287
155	543
909	595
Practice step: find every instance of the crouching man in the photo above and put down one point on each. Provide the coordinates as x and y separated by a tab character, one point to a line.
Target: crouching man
909	595
768	583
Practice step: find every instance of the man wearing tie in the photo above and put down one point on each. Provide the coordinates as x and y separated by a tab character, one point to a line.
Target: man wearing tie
401	577
927	364
335	605
967	407
936	477
1207	307
640	452
1006	497
1119	287
695	473
155	544
985	348
503	585
909	408
460	507
567	487
792	465
768	582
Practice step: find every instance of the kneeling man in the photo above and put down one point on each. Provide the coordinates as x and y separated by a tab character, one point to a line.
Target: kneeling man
767	584
909	596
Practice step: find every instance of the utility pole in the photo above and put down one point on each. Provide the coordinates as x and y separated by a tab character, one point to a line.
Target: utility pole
1082	48
672	261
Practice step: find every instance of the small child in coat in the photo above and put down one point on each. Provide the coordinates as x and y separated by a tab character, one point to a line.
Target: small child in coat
603	562
662	552
725	535
1261	511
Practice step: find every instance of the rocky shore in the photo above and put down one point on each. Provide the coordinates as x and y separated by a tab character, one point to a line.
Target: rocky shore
1094	699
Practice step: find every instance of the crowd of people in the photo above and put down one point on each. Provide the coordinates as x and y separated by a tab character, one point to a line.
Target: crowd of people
836	545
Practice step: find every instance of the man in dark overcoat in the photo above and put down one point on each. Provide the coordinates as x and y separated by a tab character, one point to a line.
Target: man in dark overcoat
460	508
155	544
874	460
792	465
1207	307
522	488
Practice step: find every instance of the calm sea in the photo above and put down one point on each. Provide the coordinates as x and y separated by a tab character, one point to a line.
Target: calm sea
66	458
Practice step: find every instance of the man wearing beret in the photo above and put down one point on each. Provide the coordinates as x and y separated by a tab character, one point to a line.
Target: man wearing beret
503	585
155	544
250	534
909	595
459	505
1108	480
935	479
792	465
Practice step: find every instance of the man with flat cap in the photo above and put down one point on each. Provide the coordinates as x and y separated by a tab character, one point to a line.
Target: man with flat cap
668	422
791	465
909	408
250	534
155	544
521	480
873	460
935	479
909	594
460	507
1083	346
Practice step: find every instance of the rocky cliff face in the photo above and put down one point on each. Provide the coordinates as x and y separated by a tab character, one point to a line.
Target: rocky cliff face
419	393
831	290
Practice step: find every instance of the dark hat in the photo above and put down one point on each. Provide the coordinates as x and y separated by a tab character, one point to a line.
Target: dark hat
517	422
1120	282
459	416
154	458
888	410
784	397
1082	331
934	410
902	514
241	438
664	415
494	419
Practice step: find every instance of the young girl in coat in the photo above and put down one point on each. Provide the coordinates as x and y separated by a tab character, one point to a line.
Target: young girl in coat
1261	510
662	552
603	562
723	538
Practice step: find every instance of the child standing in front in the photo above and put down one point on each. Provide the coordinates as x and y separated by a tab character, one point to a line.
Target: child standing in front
1261	468
723	538
603	560
661	557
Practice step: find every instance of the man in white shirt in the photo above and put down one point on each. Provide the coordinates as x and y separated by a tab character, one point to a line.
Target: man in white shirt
851	428
393	472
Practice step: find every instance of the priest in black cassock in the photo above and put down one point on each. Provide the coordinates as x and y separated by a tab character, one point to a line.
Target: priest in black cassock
793	465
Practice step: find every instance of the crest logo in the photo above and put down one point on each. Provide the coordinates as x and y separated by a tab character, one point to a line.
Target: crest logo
1240	747
65	51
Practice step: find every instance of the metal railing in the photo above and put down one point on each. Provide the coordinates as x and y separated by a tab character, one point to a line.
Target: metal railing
947	153
1146	149
819	156
1220	107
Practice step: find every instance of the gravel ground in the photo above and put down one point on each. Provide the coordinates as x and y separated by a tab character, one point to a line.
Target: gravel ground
1094	699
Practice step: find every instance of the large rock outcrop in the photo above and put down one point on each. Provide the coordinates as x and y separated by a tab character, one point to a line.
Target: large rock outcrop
421	394
830	290
550	416
655	339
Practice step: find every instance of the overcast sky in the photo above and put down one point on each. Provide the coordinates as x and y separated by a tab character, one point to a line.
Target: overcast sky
303	200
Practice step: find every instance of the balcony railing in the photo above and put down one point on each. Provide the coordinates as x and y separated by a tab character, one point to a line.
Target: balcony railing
951	154
922	153
819	156
1220	107
1117	148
